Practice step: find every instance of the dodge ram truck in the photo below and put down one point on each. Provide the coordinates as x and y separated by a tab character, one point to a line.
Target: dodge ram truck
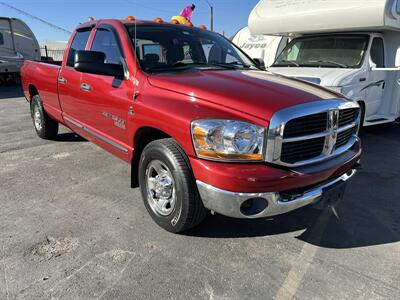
202	126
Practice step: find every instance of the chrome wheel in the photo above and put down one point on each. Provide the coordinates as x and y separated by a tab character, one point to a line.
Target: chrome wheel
37	118
160	187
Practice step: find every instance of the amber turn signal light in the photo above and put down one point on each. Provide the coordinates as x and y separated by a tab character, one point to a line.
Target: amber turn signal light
158	20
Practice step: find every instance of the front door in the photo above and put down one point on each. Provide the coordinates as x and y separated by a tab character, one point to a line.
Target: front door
106	99
375	87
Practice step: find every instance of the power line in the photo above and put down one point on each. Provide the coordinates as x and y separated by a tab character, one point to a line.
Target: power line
159	9
36	18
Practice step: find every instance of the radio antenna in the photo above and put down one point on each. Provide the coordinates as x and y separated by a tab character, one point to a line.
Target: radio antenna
136	63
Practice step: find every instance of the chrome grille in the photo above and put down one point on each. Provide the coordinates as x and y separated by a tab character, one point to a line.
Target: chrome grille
312	132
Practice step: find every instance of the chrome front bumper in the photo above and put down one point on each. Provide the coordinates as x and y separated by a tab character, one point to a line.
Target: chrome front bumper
230	203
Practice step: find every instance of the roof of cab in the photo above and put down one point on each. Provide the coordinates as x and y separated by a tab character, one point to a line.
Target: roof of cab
126	22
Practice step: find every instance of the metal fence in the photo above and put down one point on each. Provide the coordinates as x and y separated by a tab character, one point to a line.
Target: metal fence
51	54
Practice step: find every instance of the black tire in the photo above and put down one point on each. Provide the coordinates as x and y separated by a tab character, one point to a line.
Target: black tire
48	128
188	210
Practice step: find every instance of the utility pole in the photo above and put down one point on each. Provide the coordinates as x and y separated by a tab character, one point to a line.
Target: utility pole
211	15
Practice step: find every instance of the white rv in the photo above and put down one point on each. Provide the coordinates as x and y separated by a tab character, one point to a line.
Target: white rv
17	43
265	47
352	47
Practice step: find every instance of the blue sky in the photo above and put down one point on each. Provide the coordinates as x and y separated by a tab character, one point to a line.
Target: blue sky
229	16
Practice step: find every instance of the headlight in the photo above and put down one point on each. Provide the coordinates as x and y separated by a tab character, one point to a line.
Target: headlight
228	140
337	89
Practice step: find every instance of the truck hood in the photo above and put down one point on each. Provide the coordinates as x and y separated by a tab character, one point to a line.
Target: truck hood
258	93
321	76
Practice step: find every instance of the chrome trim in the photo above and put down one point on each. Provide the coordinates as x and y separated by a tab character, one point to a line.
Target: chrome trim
97	135
348	126
228	203
73	122
306	137
85	87
278	122
333	125
62	80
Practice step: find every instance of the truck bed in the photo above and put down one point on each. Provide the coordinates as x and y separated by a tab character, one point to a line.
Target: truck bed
43	75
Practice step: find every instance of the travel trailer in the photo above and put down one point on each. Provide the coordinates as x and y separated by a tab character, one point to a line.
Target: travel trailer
265	47
351	47
17	43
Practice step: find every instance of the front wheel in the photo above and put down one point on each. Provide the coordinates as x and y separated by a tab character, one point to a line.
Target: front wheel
168	187
45	127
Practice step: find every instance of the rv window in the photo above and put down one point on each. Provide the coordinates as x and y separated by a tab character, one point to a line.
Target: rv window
152	49
328	51
378	53
1	39
79	43
398	7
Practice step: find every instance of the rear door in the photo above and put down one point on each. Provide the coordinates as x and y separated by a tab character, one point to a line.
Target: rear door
105	98
69	80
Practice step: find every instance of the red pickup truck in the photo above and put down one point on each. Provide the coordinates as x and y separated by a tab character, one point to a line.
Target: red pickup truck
203	127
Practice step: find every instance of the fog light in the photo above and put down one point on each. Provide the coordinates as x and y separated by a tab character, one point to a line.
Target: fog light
253	206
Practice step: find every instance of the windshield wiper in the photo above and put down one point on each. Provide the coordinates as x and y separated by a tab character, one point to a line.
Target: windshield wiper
232	65
180	66
287	62
175	66
329	62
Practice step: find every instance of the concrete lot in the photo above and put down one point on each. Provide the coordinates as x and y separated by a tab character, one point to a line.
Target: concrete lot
71	227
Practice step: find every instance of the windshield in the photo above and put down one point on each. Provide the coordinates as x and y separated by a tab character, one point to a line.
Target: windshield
178	48
324	51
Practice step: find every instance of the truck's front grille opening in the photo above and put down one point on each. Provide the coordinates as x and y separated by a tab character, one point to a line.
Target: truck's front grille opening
306	125
347	116
344	137
302	150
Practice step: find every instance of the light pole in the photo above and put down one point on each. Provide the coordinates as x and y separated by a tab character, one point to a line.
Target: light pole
211	15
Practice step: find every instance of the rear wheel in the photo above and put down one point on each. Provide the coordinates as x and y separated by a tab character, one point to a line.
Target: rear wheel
168	187
45	127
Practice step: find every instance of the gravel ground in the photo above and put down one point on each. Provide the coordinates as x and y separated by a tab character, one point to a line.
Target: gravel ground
71	227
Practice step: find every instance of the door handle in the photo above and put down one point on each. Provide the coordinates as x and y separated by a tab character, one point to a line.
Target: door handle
85	87
62	80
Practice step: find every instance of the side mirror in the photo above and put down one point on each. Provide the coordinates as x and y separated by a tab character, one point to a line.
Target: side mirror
92	62
259	63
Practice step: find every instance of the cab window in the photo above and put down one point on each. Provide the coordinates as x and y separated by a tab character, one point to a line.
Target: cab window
104	41
79	43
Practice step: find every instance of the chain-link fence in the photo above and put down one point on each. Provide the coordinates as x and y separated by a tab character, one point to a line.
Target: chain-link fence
51	54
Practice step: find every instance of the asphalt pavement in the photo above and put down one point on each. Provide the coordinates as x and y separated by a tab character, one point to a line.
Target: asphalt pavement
72	228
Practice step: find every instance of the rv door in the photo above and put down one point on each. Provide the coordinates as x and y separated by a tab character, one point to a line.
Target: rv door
376	83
